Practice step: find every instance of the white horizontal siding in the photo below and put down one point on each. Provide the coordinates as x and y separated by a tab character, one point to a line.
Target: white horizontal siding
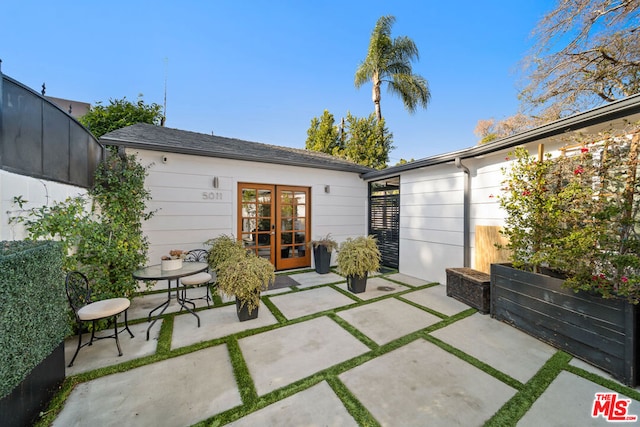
431	220
189	210
37	193
432	211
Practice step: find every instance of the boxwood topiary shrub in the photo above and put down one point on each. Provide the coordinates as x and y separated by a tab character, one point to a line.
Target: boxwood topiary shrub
33	318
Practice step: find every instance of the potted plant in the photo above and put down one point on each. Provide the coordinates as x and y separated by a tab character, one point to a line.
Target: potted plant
574	276
173	261
322	249
244	277
356	258
223	248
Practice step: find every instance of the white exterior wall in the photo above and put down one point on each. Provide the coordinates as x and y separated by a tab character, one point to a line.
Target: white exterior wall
431	221
37	192
190	210
432	211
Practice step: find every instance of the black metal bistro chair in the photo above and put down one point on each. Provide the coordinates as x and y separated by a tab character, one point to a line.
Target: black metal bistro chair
199	279
79	295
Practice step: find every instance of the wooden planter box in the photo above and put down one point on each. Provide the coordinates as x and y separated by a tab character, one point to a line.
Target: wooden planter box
600	331
470	286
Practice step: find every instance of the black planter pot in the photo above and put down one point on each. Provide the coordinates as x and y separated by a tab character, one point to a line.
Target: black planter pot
322	259
243	312
600	331
357	284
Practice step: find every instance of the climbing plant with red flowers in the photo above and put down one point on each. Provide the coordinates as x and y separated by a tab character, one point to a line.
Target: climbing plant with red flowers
577	213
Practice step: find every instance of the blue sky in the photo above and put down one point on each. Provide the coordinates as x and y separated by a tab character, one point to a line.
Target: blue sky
261	70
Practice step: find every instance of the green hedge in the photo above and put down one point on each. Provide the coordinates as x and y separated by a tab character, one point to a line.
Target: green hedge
33	306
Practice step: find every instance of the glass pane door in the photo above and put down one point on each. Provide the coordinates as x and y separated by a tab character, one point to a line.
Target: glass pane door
273	221
293	229
256	219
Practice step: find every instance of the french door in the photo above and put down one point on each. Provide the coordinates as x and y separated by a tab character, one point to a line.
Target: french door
273	221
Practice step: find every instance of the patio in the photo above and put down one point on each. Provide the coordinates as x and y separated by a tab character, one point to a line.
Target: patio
402	353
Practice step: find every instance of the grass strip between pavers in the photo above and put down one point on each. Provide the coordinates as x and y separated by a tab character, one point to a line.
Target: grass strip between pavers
356	409
512	411
511	382
274	310
604	382
353	331
247	388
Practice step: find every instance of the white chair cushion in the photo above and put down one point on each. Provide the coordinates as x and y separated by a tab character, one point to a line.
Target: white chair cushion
196	279
105	308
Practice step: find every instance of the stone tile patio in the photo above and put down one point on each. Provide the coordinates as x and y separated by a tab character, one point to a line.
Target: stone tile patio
414	382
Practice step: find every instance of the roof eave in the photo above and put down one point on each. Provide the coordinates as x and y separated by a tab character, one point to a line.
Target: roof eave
230	156
612	111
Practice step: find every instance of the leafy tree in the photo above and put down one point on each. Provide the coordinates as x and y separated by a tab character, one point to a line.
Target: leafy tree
120	113
368	141
102	233
405	161
323	135
389	61
587	52
365	141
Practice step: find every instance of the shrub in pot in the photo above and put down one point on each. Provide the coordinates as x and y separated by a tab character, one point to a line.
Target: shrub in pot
223	248
322	249
244	277
356	258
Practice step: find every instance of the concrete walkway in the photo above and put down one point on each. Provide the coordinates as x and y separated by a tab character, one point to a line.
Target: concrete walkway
400	354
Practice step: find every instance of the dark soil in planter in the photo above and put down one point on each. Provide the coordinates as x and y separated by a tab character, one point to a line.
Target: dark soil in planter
357	284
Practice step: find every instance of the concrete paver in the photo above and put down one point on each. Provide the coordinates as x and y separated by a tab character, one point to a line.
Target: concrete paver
498	344
420	384
416	384
298	304
569	401
376	287
436	299
215	323
105	353
282	356
309	279
142	305
411	281
386	320
315	406
174	392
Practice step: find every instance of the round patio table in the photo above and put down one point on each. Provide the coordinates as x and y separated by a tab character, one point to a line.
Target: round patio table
155	272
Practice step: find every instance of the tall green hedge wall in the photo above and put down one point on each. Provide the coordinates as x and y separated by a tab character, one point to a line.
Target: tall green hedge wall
33	307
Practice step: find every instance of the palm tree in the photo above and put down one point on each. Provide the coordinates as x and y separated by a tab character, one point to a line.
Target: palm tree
389	60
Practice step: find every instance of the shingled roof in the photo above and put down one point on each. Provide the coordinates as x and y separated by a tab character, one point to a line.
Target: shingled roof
151	137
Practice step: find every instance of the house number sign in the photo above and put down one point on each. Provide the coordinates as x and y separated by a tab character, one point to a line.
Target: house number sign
212	195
